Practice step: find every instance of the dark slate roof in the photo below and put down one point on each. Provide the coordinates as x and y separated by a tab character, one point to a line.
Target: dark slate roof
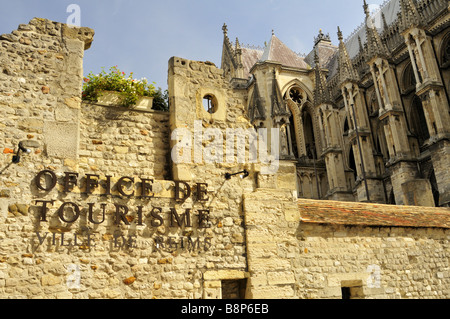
325	51
365	214
328	53
389	8
277	51
249	59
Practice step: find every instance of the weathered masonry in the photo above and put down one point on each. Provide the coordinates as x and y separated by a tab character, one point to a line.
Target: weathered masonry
92	205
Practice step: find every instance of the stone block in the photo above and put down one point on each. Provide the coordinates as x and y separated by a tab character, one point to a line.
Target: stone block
224	275
212	293
61	139
287	181
262	217
292	215
418	192
213	284
280	278
31	125
273	292
266	251
350	279
269	264
50	280
74	102
5	193
66	114
121	149
259	236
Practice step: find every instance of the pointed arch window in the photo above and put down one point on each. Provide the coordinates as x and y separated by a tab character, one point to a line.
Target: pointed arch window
374	106
293	136
346	126
297	95
409	80
310	141
418	121
352	163
446	52
434	188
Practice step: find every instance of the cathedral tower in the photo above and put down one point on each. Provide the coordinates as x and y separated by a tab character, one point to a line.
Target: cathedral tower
368	185
332	148
430	88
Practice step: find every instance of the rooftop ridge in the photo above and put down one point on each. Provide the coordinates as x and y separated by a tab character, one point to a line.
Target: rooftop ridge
301	55
252	47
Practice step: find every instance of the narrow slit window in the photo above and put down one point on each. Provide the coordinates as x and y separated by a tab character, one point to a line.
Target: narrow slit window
209	104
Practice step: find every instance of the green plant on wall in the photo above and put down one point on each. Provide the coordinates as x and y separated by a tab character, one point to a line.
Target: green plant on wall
129	88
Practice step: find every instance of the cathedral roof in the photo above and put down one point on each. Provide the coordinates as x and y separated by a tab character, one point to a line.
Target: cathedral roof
277	51
389	9
274	51
325	51
249	58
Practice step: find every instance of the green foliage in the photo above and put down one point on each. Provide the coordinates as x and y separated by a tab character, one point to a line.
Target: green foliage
160	100
130	89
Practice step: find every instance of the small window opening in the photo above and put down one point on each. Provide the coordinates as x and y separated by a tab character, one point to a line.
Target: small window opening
346	294
352	290
391	200
209	104
234	289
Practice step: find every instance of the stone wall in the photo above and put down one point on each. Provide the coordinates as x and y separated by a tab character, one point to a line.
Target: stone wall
98	209
110	226
126	142
271	222
295	255
384	262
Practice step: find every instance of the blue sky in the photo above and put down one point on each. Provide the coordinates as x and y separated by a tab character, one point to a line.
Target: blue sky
141	36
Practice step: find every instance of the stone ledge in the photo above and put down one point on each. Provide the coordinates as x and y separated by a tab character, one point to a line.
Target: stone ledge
365	214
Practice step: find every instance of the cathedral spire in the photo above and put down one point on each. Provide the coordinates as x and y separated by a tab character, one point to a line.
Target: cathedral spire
409	15
256	110
321	92
366	8
225	29
231	56
346	70
226	41
375	46
279	107
385	25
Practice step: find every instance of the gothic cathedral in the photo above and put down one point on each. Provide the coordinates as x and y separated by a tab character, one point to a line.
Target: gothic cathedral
365	120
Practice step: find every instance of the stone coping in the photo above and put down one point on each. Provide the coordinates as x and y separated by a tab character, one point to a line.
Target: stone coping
367	214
